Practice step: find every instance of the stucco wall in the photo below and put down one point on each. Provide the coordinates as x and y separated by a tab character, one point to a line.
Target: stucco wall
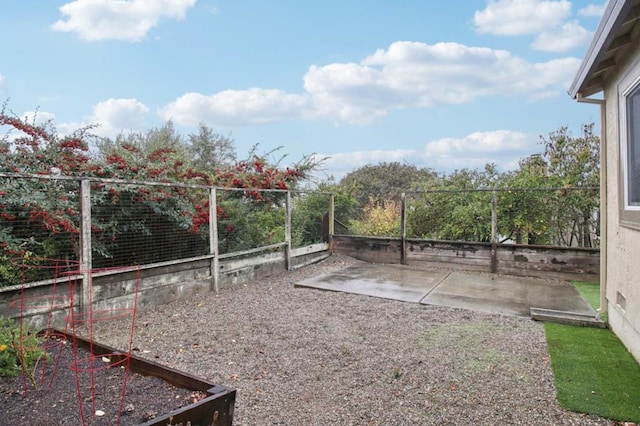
623	244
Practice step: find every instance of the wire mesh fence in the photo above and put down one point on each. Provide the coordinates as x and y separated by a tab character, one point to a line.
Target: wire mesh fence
140	223
39	219
250	219
566	217
309	218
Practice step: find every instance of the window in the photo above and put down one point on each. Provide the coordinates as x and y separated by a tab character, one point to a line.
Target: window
629	110
632	181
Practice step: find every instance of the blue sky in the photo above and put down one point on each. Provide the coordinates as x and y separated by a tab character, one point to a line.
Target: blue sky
444	85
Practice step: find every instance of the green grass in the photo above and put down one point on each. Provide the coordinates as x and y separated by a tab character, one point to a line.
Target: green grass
594	373
590	291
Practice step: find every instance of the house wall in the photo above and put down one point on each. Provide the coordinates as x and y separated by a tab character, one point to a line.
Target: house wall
623	243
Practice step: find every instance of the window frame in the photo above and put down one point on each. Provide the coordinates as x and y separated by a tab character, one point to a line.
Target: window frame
628	86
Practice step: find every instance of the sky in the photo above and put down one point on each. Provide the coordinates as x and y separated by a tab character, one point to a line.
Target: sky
439	84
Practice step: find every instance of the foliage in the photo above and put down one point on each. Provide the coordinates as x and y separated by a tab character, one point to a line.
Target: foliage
50	207
165	137
20	349
452	211
525	214
39	217
311	207
385	181
593	372
308	216
575	162
449	207
379	219
208	150
564	217
248	224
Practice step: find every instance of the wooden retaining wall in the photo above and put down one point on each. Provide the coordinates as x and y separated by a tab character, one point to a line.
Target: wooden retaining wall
509	259
46	304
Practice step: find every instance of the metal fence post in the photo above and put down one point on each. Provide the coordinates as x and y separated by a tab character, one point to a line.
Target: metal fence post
213	239
85	243
494	232
332	207
287	231
403	229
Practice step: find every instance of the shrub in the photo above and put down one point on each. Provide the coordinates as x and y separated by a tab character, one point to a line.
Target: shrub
20	349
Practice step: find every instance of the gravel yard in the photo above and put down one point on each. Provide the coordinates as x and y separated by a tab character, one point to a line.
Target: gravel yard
307	357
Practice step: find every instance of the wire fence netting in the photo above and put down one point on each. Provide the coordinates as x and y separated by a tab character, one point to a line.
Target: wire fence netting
138	223
566	217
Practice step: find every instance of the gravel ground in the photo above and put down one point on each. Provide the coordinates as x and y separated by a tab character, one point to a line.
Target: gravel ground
307	357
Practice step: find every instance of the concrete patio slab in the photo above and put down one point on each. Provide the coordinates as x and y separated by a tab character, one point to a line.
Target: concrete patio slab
506	295
385	281
480	292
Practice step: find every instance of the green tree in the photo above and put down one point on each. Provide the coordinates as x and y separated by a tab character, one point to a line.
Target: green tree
451	210
208	150
574	161
155	139
525	215
385	181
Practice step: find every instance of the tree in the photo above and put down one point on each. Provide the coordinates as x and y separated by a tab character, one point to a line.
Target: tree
524	213
385	181
158	138
575	162
451	210
208	150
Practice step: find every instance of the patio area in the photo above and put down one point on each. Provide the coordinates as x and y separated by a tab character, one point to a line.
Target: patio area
483	292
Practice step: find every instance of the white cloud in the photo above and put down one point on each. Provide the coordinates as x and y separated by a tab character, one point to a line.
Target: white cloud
503	147
498	141
3	82
569	36
236	107
38	117
516	17
547	19
417	75
128	20
592	10
118	115
406	75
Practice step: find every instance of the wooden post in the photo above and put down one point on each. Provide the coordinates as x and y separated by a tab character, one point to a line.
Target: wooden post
213	239
332	207
287	231
403	229
85	243
494	232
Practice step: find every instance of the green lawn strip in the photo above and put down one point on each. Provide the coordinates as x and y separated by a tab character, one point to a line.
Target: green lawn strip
591	293
594	373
